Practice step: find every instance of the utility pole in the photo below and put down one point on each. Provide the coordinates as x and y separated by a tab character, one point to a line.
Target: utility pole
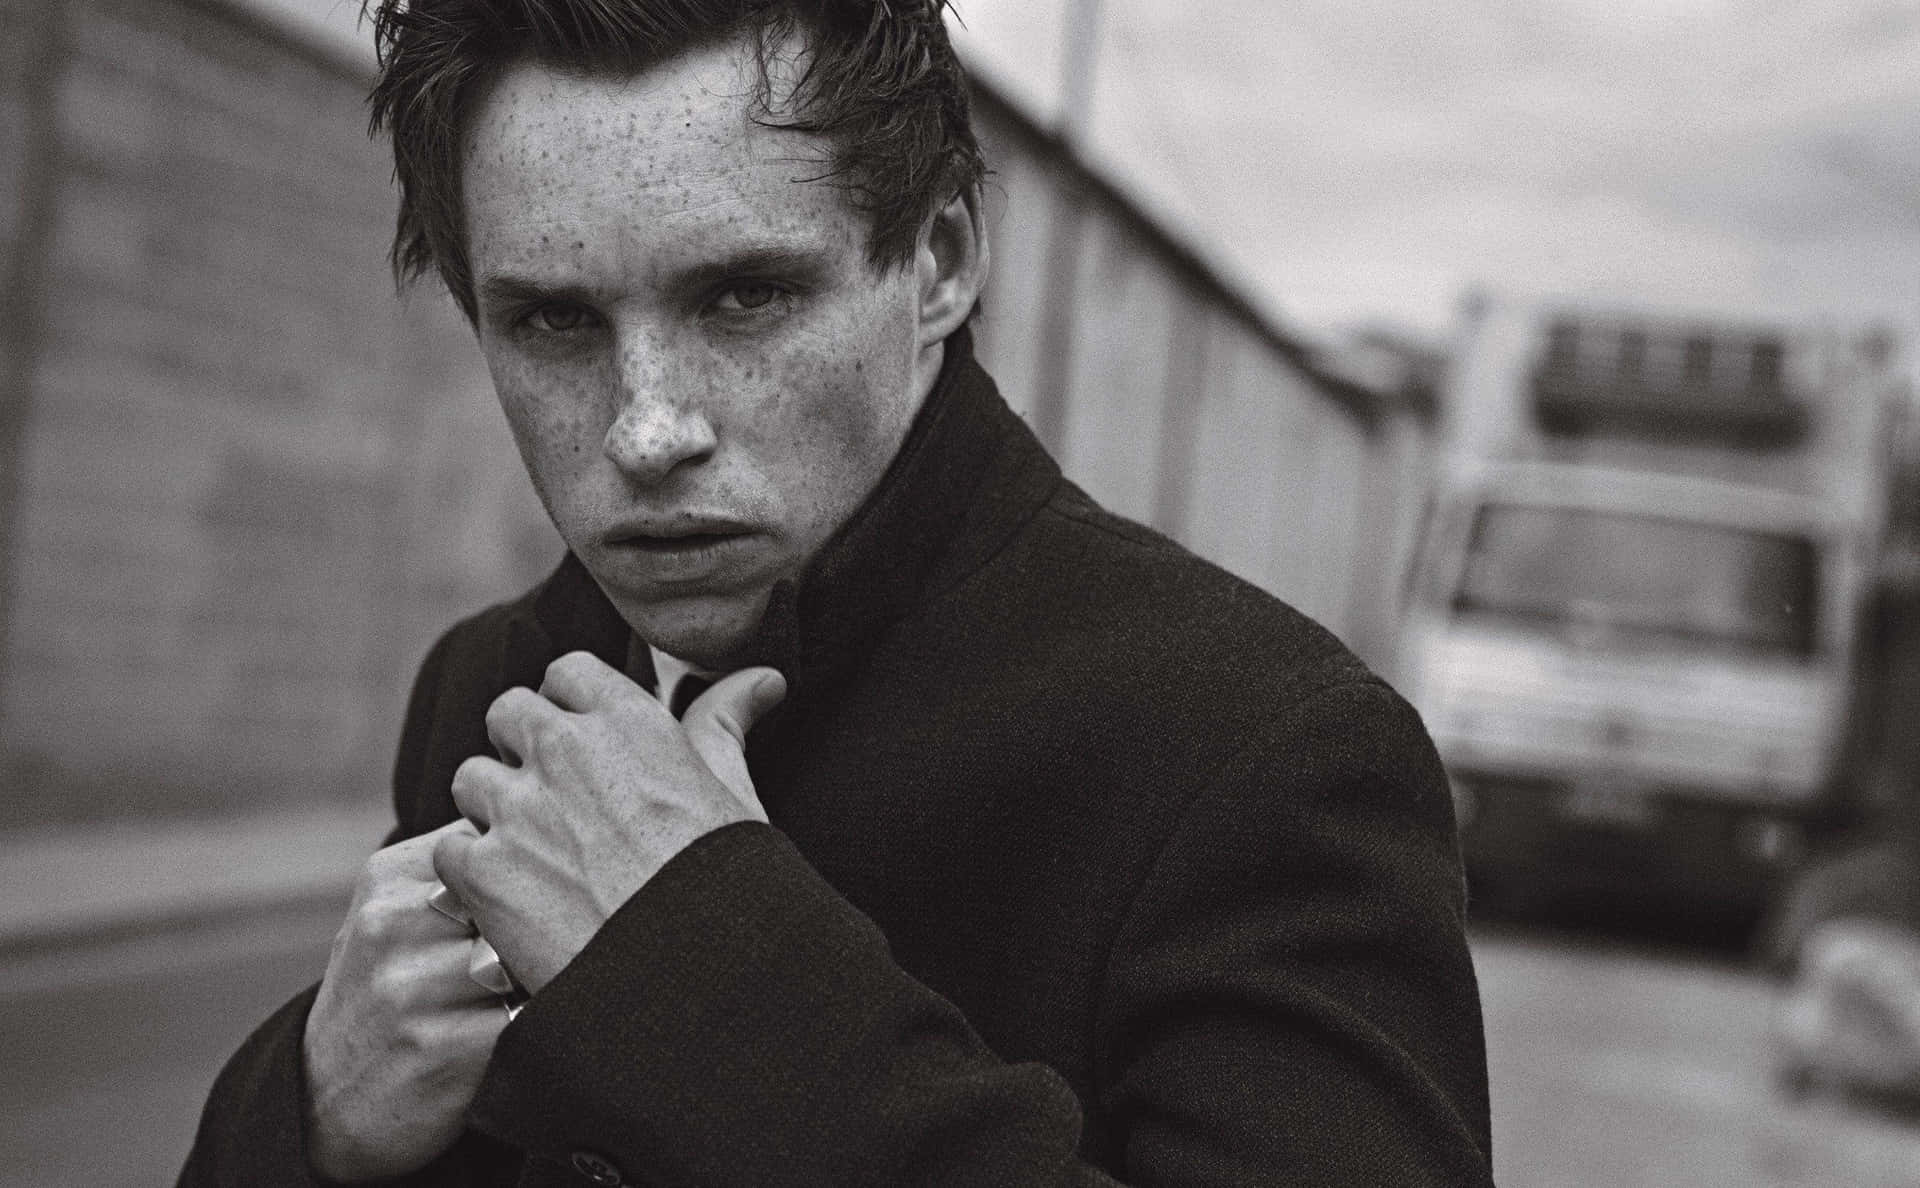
1054	375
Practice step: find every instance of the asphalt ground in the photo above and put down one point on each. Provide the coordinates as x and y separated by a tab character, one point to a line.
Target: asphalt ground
110	1045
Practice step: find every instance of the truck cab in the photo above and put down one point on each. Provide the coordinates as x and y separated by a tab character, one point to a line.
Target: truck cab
1631	623
1637	681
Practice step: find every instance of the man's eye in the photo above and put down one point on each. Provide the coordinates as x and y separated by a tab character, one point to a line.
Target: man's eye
556	319
750	296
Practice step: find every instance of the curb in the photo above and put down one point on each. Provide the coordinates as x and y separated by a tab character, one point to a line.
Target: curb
75	885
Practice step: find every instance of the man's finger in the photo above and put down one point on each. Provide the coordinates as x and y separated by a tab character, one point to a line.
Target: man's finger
478	783
453	858
581	681
718	721
413	857
511	721
735	702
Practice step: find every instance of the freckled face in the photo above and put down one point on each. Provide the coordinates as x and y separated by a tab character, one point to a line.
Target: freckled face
703	374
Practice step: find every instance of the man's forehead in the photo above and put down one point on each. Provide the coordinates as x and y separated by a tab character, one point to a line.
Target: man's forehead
722	88
556	115
665	152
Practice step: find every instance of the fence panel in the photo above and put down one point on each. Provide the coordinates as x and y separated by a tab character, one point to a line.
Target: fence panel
1183	407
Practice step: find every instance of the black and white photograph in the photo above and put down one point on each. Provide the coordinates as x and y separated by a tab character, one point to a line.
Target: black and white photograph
1177	593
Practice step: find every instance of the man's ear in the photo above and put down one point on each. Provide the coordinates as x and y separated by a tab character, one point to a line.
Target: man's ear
951	265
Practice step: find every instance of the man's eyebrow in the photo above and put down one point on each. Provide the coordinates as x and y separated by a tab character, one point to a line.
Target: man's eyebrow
768	261
760	261
507	289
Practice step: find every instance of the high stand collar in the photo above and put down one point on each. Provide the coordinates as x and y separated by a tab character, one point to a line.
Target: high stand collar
967	476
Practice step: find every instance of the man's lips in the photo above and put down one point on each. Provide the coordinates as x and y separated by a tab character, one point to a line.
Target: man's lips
679	533
685	549
691	542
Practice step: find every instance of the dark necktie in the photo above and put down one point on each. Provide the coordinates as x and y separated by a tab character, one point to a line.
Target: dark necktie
687	691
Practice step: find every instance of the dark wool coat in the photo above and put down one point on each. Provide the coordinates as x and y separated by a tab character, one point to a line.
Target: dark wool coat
1088	862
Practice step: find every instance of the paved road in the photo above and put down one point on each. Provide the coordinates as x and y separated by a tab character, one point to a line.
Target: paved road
1616	1067
109	1051
1611	1066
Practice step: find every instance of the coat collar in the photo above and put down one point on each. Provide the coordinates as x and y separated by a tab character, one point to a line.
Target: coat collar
968	475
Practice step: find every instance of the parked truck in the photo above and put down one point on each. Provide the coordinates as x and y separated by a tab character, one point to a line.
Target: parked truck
1632	616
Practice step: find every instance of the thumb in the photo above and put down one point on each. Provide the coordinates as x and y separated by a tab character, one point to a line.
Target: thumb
718	721
451	856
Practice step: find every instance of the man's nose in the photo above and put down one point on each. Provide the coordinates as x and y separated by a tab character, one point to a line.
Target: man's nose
660	424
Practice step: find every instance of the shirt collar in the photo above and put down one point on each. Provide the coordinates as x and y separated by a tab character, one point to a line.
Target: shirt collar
669	670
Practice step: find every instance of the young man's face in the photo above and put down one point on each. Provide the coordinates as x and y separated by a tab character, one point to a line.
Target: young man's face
704	375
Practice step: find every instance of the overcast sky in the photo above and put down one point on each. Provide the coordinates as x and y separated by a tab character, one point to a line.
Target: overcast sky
1357	160
1360	160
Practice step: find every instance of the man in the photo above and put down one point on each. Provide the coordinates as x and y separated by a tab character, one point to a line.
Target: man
1013	845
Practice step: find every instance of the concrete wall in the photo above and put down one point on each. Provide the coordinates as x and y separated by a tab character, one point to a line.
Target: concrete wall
242	486
249	483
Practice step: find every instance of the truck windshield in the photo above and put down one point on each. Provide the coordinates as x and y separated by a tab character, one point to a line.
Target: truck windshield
1640	577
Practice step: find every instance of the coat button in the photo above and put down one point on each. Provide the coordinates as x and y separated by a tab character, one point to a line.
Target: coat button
597	1168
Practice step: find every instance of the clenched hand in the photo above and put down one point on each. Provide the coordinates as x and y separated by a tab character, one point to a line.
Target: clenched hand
596	789
399	1035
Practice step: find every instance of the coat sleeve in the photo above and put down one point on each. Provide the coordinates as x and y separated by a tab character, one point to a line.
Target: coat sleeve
1290	1002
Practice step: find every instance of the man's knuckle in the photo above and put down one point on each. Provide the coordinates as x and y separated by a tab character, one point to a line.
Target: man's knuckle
550	735
469	775
500	709
413	1036
381	866
385	986
377	920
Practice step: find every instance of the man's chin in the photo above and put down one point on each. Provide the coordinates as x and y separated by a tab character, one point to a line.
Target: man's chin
709	631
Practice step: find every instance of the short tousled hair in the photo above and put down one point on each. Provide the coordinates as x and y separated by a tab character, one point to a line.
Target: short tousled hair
881	85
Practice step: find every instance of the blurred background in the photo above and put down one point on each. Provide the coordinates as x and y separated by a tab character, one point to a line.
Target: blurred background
1557	355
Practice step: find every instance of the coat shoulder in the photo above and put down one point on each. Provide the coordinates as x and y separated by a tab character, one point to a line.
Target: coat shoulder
1180	621
1128	654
